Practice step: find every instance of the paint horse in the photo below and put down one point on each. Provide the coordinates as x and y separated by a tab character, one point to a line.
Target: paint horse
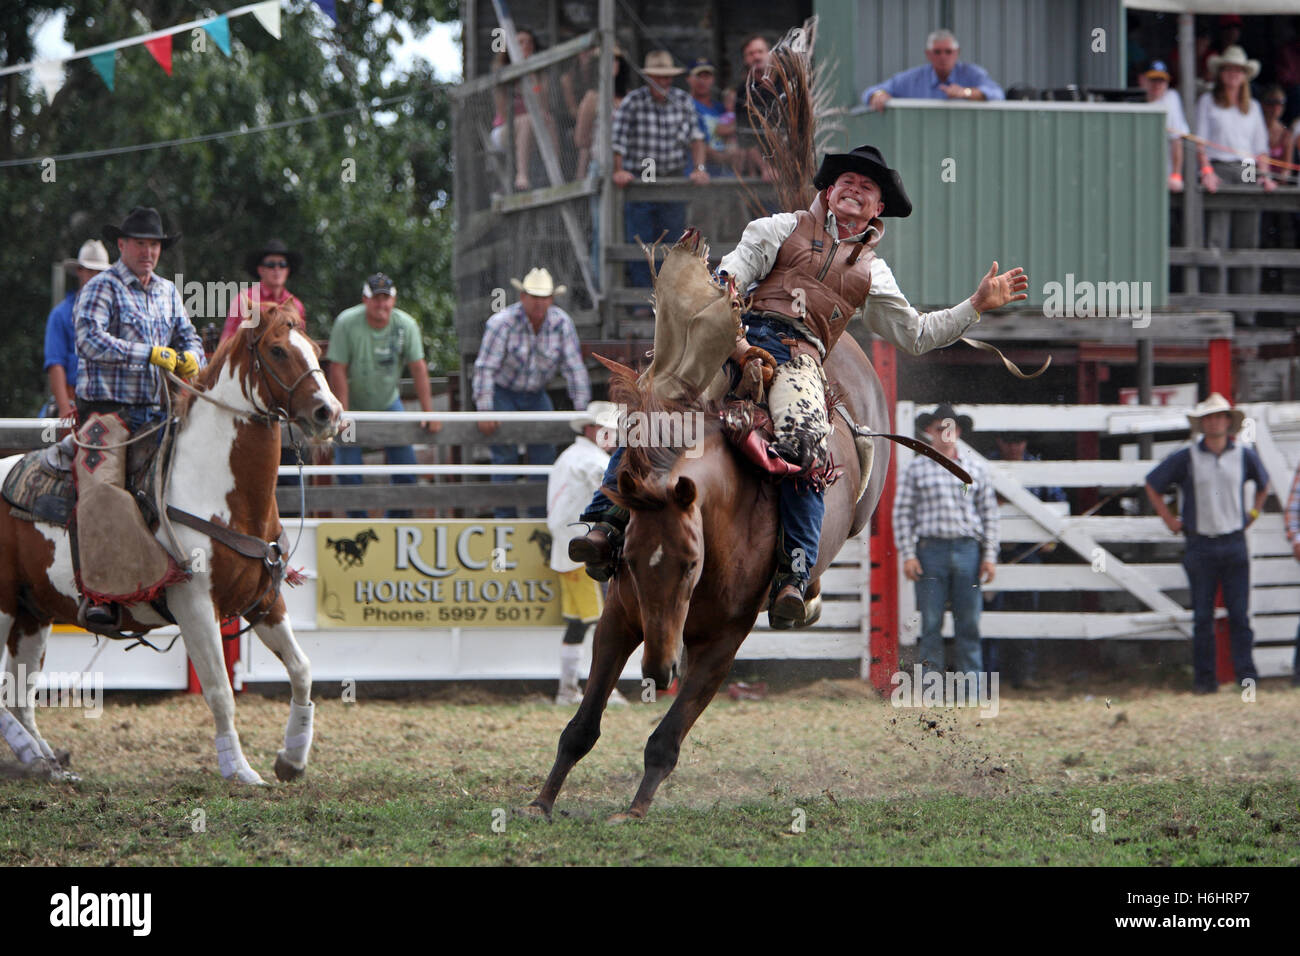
225	457
698	560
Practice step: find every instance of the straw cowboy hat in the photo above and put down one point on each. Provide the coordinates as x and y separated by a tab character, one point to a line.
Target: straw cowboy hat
274	247
92	256
942	413
1234	56
868	161
142	222
661	63
604	414
1215	403
538	282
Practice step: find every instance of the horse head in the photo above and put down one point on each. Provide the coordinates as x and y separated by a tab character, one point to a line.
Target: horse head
663	555
278	370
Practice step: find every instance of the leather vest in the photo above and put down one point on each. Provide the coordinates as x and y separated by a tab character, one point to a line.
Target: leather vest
829	277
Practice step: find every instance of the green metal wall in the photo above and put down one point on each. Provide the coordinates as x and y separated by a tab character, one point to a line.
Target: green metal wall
1058	188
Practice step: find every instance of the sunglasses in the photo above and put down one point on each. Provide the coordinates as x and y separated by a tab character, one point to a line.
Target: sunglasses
275	264
1275	102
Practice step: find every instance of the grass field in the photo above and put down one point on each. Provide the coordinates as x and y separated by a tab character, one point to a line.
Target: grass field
1176	780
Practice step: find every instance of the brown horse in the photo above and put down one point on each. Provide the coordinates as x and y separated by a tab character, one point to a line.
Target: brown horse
225	458
698	560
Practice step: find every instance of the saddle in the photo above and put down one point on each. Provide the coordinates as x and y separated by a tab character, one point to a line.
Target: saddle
40	487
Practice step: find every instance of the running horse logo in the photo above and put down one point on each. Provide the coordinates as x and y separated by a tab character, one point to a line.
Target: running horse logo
350	552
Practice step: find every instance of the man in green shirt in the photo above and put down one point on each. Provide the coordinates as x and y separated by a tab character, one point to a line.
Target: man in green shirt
370	345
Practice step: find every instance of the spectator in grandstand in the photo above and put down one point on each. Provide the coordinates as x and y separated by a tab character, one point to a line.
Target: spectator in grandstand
584	129
61	336
524	345
656	134
510	103
1021	663
750	103
370	346
945	77
1156	83
271	265
947	536
1281	143
1211	473
718	135
574	479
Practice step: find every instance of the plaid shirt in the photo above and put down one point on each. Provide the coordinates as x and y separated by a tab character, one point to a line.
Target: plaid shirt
644	128
932	503
515	357
118	324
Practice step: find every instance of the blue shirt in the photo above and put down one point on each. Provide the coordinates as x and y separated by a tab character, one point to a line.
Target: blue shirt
922	83
60	340
118	323
1177	470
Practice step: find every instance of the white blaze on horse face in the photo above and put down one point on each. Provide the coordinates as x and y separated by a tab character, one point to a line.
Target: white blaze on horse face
657	556
322	393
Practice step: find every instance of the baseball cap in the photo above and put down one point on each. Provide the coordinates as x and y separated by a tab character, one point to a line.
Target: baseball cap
378	284
702	65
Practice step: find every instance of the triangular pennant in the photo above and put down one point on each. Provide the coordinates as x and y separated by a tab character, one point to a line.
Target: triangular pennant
268	14
161	48
219	30
105	63
327	8
49	74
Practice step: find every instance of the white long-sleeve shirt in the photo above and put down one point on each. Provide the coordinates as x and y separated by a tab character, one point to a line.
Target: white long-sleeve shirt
886	312
1244	134
574	478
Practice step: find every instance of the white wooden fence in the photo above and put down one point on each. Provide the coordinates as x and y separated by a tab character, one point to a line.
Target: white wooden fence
1156	582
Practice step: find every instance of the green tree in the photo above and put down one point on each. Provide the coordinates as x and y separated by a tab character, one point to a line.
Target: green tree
355	190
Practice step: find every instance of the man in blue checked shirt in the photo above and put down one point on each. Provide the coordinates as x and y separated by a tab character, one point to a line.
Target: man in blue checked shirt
947	536
523	348
130	323
946	77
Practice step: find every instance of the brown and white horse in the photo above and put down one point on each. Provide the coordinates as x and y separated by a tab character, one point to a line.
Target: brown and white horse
225	458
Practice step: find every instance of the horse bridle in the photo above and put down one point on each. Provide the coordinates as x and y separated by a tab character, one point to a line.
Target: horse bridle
278	414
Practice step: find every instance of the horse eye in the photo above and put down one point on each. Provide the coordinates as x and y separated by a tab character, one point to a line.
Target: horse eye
278	352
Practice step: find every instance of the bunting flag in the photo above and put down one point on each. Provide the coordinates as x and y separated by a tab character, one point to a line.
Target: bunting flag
50	74
219	30
161	49
105	63
268	14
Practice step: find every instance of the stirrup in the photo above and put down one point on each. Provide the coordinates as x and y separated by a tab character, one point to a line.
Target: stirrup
787	608
600	556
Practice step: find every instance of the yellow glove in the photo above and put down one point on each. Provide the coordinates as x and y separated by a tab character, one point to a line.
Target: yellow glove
163	357
187	366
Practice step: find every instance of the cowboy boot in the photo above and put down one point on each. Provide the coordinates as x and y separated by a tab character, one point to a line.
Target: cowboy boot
598	550
788	609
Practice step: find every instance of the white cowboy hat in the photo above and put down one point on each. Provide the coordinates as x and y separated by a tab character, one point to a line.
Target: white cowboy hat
661	63
1215	403
92	256
538	282
604	414
1234	56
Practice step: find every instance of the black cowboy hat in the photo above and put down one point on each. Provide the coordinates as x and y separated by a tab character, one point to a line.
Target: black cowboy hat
142	222
272	247
867	161
942	413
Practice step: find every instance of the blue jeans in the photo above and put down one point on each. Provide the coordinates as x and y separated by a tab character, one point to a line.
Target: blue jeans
1210	562
950	570
649	220
350	454
539	453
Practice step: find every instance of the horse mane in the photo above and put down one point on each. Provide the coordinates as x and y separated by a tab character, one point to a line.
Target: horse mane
647	465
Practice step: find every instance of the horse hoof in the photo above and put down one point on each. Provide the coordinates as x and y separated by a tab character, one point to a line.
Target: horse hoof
623	817
286	772
533	811
249	777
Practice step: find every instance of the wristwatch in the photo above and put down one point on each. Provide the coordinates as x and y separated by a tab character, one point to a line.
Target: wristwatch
700	168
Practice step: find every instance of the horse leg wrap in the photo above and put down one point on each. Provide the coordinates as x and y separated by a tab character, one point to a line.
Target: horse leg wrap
230	758
24	745
797	401
297	734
